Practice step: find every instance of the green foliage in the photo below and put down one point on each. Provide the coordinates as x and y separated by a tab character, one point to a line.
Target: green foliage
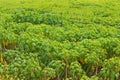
37	17
59	40
48	73
76	71
111	69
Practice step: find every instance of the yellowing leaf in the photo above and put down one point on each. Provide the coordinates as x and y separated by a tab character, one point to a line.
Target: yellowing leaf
82	61
5	43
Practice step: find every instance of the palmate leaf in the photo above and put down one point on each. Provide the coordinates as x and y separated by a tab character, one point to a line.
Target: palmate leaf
48	73
68	55
25	66
58	65
76	70
59	40
111	68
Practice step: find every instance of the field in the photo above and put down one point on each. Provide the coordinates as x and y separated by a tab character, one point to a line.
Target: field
59	39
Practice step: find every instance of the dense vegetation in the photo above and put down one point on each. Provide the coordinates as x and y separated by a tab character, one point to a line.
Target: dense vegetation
59	40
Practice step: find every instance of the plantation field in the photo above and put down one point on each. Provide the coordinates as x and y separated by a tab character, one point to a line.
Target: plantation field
59	39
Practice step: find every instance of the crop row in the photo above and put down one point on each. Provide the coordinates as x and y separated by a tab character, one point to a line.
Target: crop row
74	40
